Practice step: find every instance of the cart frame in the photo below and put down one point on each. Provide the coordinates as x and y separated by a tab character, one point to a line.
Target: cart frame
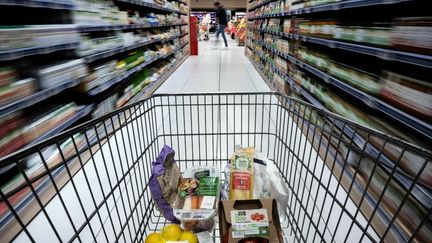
346	181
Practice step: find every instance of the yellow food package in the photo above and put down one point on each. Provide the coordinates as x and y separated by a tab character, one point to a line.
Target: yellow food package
241	179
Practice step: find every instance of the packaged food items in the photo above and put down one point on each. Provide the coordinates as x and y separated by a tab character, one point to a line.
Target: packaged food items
409	93
164	182
198	195
268	182
49	121
241	175
248	221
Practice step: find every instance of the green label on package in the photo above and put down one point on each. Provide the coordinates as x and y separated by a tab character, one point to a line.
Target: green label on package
250	223
208	186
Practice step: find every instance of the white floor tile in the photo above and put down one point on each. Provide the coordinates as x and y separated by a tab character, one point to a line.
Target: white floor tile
215	69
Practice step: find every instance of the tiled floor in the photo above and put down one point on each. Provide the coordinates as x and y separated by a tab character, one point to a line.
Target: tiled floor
215	69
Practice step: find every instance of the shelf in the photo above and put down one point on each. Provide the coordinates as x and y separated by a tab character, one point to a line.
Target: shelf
421	193
151	5
382	53
66	124
404	118
101	88
39	4
80	114
108	53
37	97
260	4
329	7
150	88
14	54
91	28
39	188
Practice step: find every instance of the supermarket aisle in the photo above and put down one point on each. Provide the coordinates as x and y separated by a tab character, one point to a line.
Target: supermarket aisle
216	68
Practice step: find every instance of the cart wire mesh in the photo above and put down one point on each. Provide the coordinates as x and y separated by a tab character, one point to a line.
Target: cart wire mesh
90	184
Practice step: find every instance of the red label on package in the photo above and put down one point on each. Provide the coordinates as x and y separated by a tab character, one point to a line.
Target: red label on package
241	180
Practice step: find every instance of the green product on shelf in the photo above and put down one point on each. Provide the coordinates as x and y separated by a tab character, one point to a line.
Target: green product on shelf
134	59
357	78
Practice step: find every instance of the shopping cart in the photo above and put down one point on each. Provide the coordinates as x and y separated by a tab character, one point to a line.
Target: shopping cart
346	182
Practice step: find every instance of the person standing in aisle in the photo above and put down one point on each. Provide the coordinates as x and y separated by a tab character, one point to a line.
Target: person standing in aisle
206	22
222	17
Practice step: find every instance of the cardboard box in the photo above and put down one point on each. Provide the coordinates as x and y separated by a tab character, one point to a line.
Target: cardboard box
242	219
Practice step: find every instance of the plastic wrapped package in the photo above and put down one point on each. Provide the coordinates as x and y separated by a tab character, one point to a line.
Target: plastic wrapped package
198	197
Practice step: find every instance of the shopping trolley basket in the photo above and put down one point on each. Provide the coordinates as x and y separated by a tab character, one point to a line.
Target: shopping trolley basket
346	182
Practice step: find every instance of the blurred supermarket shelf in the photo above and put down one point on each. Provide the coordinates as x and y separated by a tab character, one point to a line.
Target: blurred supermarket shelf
80	114
260	4
37	97
90	28
54	4
385	54
128	74
421	193
152	6
114	51
325	7
91	140
14	54
150	89
399	116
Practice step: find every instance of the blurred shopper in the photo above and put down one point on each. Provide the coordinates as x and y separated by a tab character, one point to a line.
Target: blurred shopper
222	17
206	25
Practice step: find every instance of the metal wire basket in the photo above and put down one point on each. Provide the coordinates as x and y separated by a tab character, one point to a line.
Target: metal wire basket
346	182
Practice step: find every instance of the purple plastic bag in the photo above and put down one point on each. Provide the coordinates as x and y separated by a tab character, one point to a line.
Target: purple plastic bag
164	182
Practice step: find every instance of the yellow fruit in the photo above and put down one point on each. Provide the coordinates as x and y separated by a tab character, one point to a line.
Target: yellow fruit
171	232
155	238
189	236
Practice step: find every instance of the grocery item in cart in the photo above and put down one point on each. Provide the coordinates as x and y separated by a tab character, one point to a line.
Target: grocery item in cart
198	196
247	221
268	183
164	181
241	176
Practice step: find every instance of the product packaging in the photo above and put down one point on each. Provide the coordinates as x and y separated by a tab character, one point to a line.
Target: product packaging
243	221
268	183
164	181
241	175
198	196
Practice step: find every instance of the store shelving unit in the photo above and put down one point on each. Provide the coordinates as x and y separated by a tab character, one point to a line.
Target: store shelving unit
89	100
416	124
152	6
128	74
349	4
61	4
259	49
382	53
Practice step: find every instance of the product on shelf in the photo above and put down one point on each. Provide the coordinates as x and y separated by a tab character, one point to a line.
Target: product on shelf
413	33
32	36
12	141
8	74
17	90
90	45
408	93
105	107
53	75
97	13
47	122
103	74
